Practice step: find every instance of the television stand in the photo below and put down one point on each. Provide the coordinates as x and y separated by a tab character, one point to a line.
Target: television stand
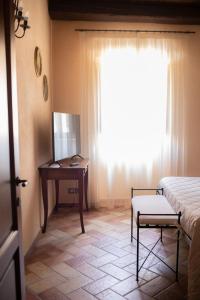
65	172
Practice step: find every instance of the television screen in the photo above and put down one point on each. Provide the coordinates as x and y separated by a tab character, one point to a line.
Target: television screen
66	135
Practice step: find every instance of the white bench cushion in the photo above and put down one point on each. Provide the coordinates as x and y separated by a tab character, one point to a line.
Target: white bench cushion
153	204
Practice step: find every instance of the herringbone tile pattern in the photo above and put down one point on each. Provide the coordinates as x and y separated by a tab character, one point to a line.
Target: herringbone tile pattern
100	264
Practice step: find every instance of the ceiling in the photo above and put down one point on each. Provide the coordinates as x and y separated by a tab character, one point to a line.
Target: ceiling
156	11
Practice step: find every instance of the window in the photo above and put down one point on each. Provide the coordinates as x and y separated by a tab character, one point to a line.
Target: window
133	105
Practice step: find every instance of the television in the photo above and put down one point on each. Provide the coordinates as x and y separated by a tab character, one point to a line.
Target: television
66	135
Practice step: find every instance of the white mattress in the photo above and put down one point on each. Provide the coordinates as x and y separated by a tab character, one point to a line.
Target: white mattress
183	193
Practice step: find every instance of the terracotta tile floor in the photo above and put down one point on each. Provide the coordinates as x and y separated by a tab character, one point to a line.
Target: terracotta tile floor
100	264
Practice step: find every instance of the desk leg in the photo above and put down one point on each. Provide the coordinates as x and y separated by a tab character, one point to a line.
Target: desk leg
86	189
57	193
81	188
45	203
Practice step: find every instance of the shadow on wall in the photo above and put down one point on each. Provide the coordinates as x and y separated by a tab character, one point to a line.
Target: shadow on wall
42	140
42	154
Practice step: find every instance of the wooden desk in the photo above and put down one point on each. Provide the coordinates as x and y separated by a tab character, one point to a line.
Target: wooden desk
65	171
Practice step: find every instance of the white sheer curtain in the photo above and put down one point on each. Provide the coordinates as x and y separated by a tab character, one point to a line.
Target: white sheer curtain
132	111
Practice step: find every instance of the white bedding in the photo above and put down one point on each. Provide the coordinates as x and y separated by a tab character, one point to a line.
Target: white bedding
183	193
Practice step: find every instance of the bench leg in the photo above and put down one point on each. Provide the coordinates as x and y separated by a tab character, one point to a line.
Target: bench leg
177	254
131	223
161	234
138	244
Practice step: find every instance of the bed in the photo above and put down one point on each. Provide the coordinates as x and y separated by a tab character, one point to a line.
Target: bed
183	193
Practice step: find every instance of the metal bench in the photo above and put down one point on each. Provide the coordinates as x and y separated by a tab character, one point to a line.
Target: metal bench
153	211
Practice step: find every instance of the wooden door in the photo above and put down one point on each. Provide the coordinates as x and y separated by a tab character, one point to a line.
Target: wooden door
11	259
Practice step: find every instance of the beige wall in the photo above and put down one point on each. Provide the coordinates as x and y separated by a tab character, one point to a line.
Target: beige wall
193	111
34	115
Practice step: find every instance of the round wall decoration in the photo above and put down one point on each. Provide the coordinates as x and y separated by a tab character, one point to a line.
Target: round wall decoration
37	62
45	88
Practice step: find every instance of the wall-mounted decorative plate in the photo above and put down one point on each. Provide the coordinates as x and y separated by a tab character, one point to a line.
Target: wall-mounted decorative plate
45	88
37	62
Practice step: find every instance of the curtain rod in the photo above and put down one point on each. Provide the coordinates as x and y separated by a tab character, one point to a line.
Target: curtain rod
130	30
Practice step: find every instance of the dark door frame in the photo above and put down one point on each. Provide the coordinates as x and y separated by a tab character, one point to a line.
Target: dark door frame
12	247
